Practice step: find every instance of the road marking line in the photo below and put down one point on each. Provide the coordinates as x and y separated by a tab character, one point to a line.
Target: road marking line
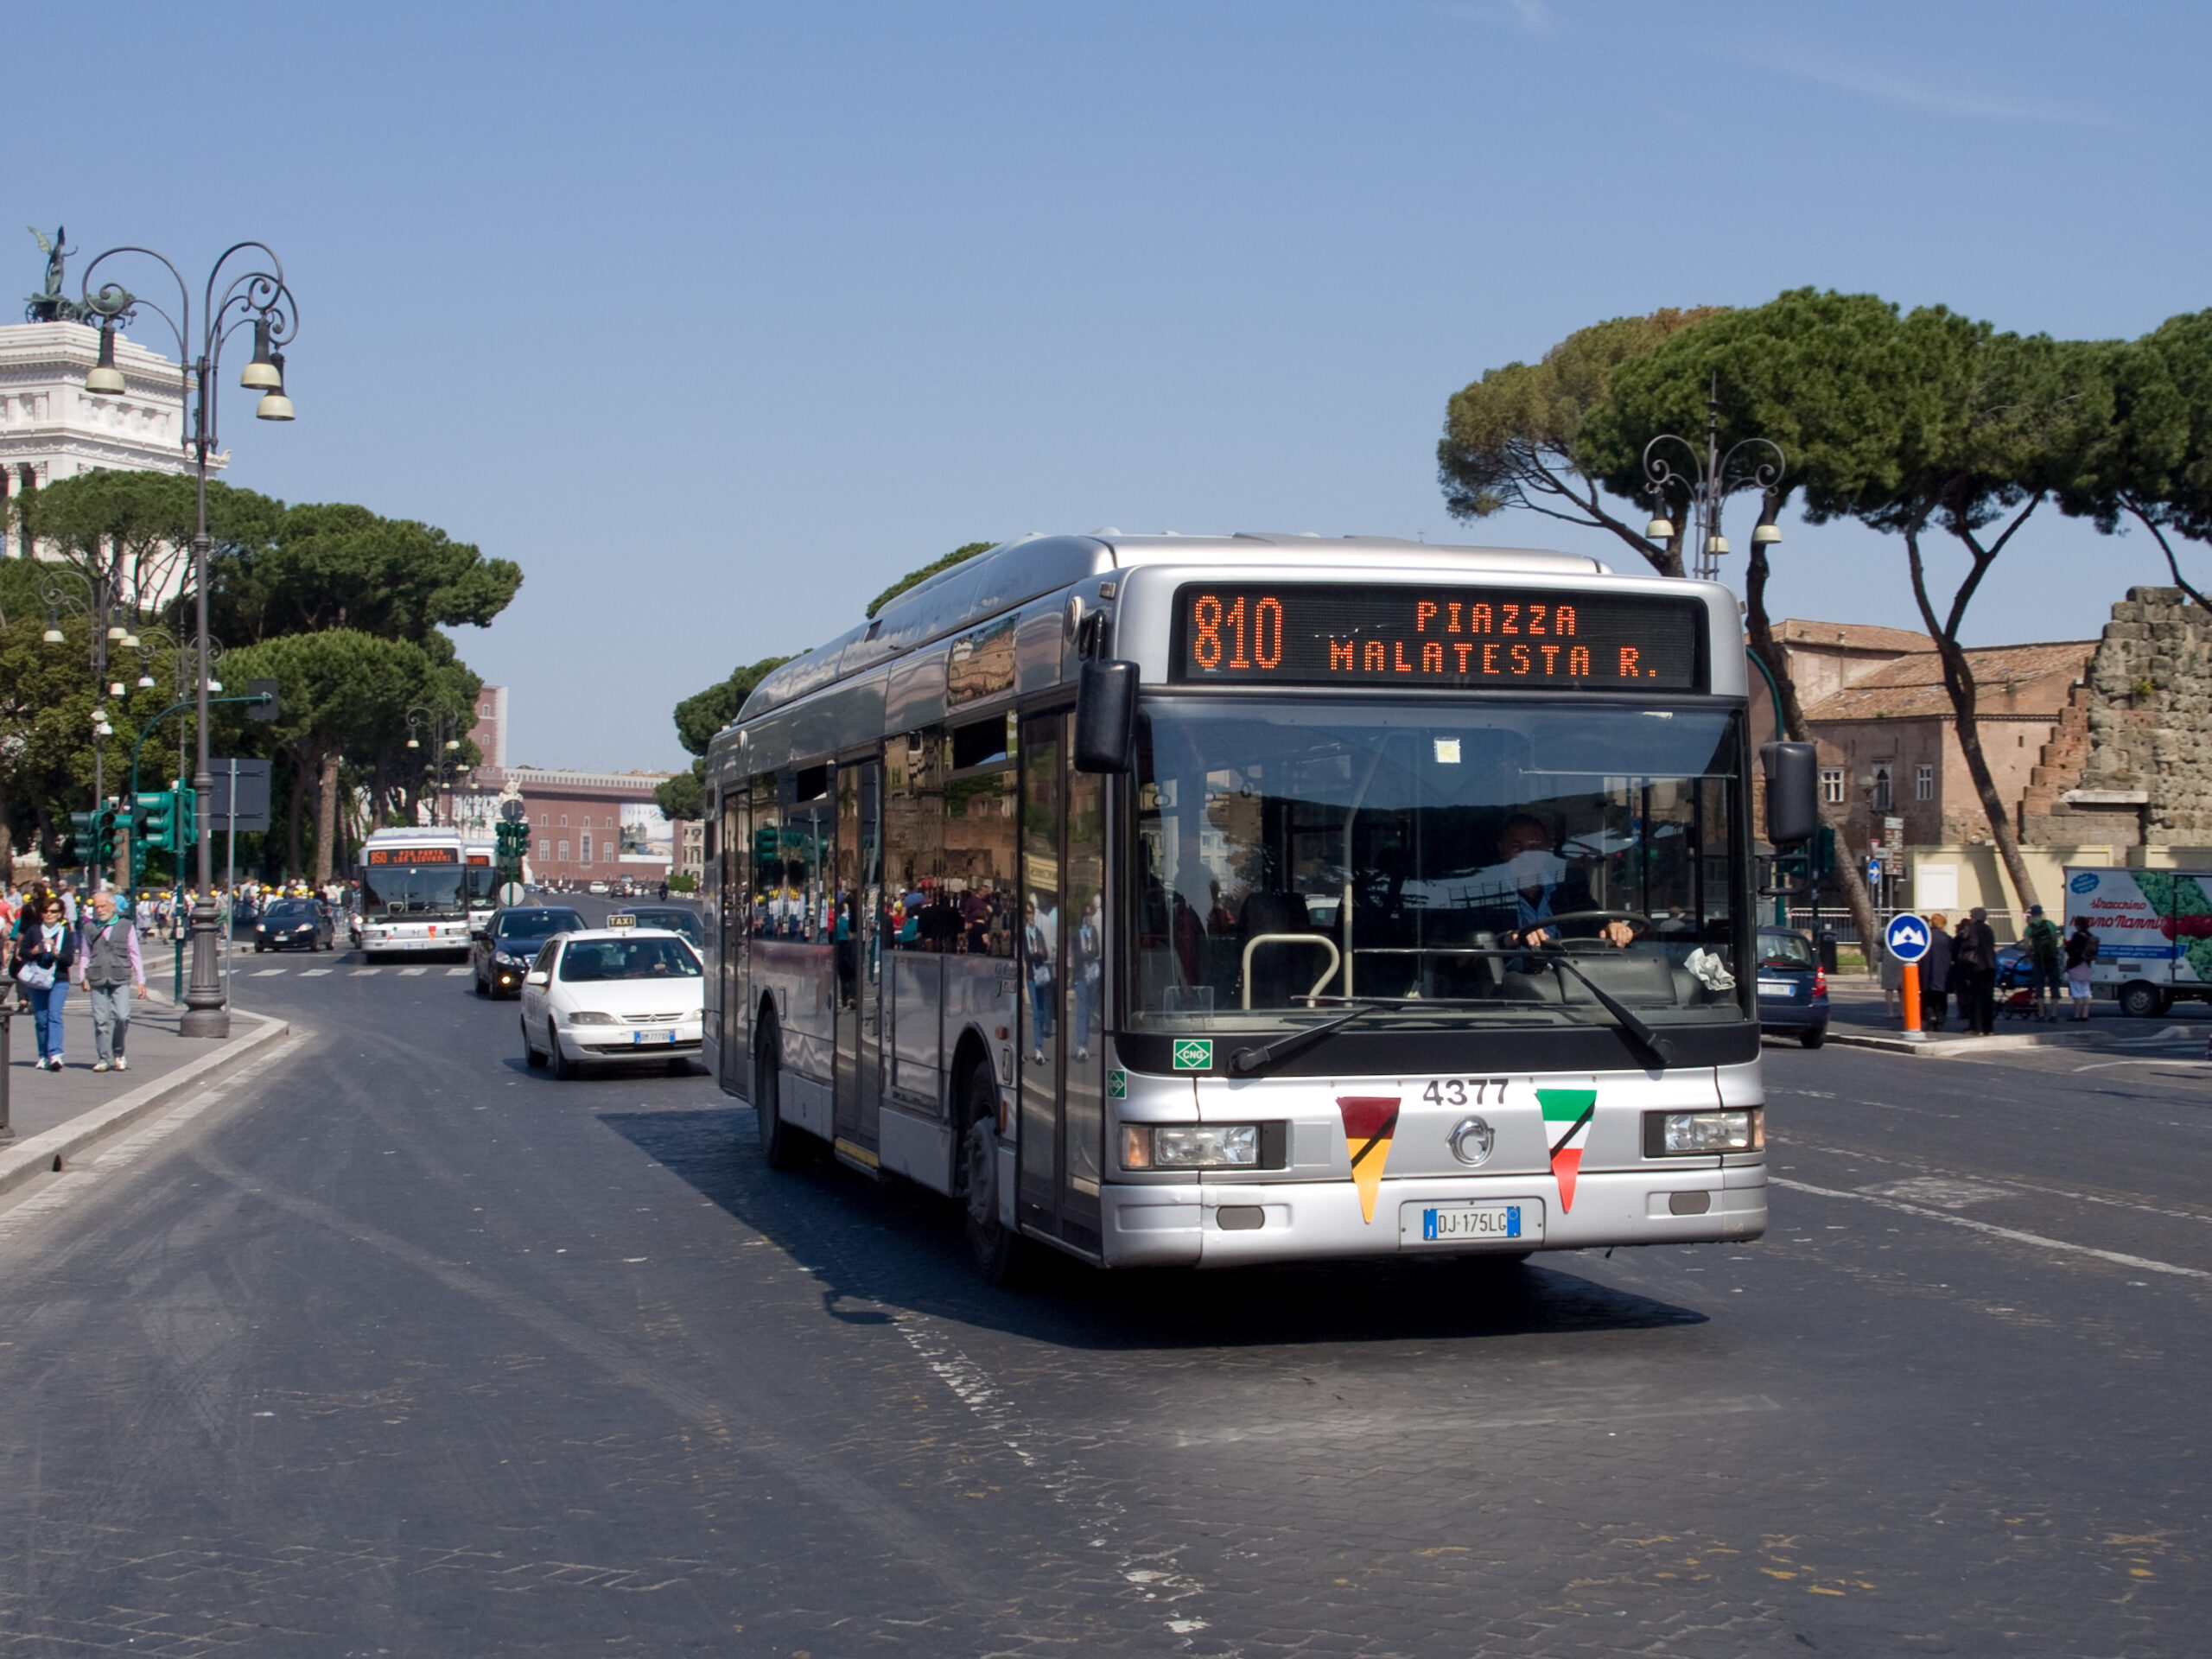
2143	1262
456	973
313	973
406	973
2014	1186
266	973
363	973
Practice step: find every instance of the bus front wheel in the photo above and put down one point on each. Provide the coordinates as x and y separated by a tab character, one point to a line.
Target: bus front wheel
996	1247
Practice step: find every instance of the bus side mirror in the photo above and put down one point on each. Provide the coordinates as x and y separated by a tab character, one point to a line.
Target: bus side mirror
1792	801
1105	716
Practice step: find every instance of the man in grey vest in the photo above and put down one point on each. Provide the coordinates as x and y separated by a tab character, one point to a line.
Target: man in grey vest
110	967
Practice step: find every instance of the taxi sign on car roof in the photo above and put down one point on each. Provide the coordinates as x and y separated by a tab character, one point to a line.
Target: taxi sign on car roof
621	919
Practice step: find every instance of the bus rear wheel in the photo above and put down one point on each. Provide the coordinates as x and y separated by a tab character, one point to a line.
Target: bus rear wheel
997	1250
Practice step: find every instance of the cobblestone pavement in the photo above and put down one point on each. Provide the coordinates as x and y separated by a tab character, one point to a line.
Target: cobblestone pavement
409	1349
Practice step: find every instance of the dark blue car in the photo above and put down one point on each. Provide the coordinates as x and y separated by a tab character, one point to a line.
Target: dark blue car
1793	987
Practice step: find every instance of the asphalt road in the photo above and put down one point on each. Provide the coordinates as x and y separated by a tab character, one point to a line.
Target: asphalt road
404	1349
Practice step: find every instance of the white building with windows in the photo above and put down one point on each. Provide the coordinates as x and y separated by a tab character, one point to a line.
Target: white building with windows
51	429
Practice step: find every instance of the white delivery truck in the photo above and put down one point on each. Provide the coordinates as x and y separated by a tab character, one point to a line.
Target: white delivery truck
2154	934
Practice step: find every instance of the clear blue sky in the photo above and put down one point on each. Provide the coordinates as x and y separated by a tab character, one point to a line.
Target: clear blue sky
718	318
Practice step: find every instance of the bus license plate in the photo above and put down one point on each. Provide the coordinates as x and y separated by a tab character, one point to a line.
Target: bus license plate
640	1039
1471	1224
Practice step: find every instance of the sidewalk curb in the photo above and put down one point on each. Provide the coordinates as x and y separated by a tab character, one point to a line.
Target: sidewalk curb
41	1154
1936	1048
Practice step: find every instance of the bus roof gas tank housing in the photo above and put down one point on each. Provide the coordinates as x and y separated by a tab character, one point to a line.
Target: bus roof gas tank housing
1149	567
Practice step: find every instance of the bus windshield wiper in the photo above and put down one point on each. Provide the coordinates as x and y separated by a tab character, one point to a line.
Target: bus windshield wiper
1246	1061
1661	1050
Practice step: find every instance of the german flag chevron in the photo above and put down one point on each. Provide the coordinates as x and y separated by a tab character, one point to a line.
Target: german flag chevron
1567	1113
1370	1121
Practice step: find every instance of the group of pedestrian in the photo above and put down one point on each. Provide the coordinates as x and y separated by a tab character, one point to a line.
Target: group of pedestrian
54	945
1962	964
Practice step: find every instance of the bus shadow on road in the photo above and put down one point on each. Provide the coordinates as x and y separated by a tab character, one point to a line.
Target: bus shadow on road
878	1249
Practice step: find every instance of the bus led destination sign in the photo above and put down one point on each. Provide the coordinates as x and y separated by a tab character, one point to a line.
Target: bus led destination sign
411	855
1285	634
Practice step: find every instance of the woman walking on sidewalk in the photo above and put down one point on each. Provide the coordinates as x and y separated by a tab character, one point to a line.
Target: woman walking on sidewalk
108	966
45	950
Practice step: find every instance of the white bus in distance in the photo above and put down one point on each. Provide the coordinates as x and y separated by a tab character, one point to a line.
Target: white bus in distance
1191	900
481	883
414	897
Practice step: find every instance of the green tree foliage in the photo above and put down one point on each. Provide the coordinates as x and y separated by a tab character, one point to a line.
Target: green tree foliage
336	566
2155	468
134	530
346	693
1514	437
1929	422
959	555
698	717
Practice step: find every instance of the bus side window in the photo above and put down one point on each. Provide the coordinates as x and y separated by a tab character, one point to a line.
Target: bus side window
979	826
767	860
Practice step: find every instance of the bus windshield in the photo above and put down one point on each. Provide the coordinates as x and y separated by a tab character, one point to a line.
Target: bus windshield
1440	864
483	885
413	890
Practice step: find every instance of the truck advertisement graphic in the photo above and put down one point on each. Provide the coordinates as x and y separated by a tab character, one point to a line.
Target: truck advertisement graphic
2153	927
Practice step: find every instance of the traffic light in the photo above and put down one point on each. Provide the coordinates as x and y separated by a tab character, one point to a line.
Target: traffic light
168	819
156	817
1823	852
84	836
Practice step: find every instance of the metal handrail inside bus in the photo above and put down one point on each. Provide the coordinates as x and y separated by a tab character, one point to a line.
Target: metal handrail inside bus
1322	939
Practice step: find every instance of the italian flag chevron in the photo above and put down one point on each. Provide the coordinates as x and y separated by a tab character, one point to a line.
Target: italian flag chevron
1370	1121
1566	1128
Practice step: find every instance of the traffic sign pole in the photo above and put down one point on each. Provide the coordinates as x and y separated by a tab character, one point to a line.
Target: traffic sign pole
1907	938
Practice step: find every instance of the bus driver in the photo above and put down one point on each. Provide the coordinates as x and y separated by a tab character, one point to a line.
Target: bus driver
1544	885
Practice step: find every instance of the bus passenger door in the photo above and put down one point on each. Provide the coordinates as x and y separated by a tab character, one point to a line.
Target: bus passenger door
1060	957
733	918
859	953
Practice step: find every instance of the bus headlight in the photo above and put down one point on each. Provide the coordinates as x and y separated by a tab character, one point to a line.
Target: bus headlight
1694	1134
1189	1146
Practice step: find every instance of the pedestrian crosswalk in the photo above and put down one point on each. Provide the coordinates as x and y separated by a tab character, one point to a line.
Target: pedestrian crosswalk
353	973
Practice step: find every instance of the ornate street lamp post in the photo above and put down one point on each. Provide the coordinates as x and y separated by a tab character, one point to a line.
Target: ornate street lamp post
70	592
260	298
1749	464
445	735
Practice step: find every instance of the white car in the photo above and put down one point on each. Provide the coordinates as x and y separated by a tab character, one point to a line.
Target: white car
599	887
613	995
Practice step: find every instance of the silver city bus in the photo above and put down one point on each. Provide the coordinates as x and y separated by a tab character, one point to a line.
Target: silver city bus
414	893
1209	901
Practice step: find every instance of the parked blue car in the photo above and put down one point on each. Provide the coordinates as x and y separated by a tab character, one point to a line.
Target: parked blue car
1793	987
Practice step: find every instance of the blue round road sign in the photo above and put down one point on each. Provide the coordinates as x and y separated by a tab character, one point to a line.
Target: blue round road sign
1907	938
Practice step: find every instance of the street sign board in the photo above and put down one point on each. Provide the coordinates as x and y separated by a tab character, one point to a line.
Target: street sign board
252	796
511	893
511	811
1907	937
1873	869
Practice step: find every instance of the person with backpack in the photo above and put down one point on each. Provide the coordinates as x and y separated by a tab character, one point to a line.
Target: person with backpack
2044	950
1974	953
2080	953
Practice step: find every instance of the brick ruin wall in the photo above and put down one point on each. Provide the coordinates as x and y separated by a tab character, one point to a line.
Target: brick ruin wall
2142	722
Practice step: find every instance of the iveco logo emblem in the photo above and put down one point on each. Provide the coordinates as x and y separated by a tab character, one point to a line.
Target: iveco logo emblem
1470	1141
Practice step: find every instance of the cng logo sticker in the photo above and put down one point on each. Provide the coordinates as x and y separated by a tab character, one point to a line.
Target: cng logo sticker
1117	1084
2085	882
1194	1054
1567	1113
1370	1120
